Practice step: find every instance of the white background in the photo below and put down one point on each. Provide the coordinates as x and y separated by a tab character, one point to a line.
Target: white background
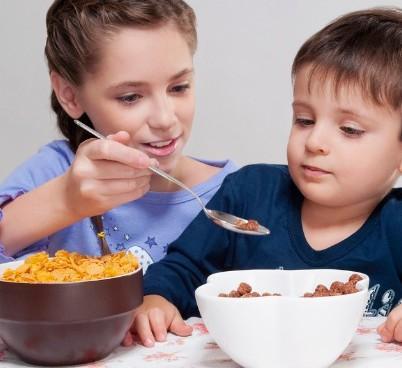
246	48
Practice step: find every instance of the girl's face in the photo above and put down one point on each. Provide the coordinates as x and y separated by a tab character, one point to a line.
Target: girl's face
143	84
343	150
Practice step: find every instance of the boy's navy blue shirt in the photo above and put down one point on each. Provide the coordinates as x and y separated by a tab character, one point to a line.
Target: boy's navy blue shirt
266	193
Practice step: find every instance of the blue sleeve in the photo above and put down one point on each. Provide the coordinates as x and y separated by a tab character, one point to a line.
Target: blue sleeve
202	249
51	161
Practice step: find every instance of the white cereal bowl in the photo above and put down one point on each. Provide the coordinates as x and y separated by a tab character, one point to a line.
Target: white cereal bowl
285	331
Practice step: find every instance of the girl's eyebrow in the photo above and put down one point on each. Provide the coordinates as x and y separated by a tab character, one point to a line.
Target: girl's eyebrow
182	73
126	84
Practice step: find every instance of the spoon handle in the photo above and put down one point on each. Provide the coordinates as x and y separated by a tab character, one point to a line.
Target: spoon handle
177	182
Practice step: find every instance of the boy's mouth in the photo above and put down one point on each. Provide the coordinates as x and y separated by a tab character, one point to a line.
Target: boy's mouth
313	170
160	148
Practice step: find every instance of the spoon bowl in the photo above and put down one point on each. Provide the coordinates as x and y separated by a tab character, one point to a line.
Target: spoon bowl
226	220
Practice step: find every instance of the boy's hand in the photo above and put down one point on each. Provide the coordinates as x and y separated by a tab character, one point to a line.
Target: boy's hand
391	329
105	173
2	345
154	318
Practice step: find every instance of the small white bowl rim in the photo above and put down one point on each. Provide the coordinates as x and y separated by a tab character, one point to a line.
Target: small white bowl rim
361	285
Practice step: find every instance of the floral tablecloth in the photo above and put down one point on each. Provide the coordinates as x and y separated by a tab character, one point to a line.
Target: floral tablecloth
366	350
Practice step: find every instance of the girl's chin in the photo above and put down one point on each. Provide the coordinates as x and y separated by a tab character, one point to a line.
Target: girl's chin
168	164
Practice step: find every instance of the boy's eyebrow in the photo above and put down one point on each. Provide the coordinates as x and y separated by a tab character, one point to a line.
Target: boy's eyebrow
301	104
353	113
141	83
341	110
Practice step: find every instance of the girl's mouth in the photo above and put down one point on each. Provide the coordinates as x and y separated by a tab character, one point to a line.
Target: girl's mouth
161	148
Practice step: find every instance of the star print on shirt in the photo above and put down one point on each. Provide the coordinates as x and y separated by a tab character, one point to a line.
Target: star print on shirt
151	242
120	246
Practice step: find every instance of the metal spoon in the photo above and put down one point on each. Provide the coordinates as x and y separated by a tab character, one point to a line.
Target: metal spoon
226	220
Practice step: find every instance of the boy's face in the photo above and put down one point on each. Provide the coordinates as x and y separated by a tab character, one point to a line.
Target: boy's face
343	150
143	84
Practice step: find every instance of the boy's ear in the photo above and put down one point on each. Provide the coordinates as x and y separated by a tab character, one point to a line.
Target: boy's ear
66	94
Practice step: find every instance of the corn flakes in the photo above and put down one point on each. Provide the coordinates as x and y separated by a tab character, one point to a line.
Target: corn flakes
70	267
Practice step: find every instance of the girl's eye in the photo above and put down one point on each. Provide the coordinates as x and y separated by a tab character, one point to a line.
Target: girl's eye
180	88
351	131
304	122
129	99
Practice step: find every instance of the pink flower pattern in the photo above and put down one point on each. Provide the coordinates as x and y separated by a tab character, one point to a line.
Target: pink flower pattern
346	357
365	330
162	357
211	346
389	347
200	328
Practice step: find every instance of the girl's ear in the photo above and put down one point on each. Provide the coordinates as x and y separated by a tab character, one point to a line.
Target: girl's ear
66	94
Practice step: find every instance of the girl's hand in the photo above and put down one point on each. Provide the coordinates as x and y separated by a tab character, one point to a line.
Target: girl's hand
391	329
154	318
105	174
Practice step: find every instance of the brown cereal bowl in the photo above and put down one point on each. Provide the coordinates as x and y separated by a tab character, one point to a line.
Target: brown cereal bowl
67	323
287	330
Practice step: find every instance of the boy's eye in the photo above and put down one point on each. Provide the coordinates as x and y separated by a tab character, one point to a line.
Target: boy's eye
351	131
129	99
304	122
180	88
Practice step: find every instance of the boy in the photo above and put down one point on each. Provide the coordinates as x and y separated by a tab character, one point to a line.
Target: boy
333	206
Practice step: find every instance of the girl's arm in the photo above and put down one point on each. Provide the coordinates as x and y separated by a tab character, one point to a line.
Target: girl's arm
104	174
35	215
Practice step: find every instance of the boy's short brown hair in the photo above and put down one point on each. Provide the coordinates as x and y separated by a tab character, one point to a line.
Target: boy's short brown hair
362	48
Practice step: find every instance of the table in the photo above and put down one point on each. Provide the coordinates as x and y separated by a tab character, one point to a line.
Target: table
366	350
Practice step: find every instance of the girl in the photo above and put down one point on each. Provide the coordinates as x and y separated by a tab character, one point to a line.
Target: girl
125	68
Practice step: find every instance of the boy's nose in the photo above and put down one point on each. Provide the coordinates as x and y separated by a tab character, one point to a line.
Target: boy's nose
162	115
317	141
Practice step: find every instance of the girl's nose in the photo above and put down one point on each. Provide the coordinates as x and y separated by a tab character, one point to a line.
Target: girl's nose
162	114
317	141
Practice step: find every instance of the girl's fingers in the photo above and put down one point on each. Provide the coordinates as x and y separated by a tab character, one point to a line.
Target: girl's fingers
108	149
122	137
115	187
102	169
143	330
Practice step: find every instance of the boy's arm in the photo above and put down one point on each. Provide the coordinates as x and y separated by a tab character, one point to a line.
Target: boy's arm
201	250
169	284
